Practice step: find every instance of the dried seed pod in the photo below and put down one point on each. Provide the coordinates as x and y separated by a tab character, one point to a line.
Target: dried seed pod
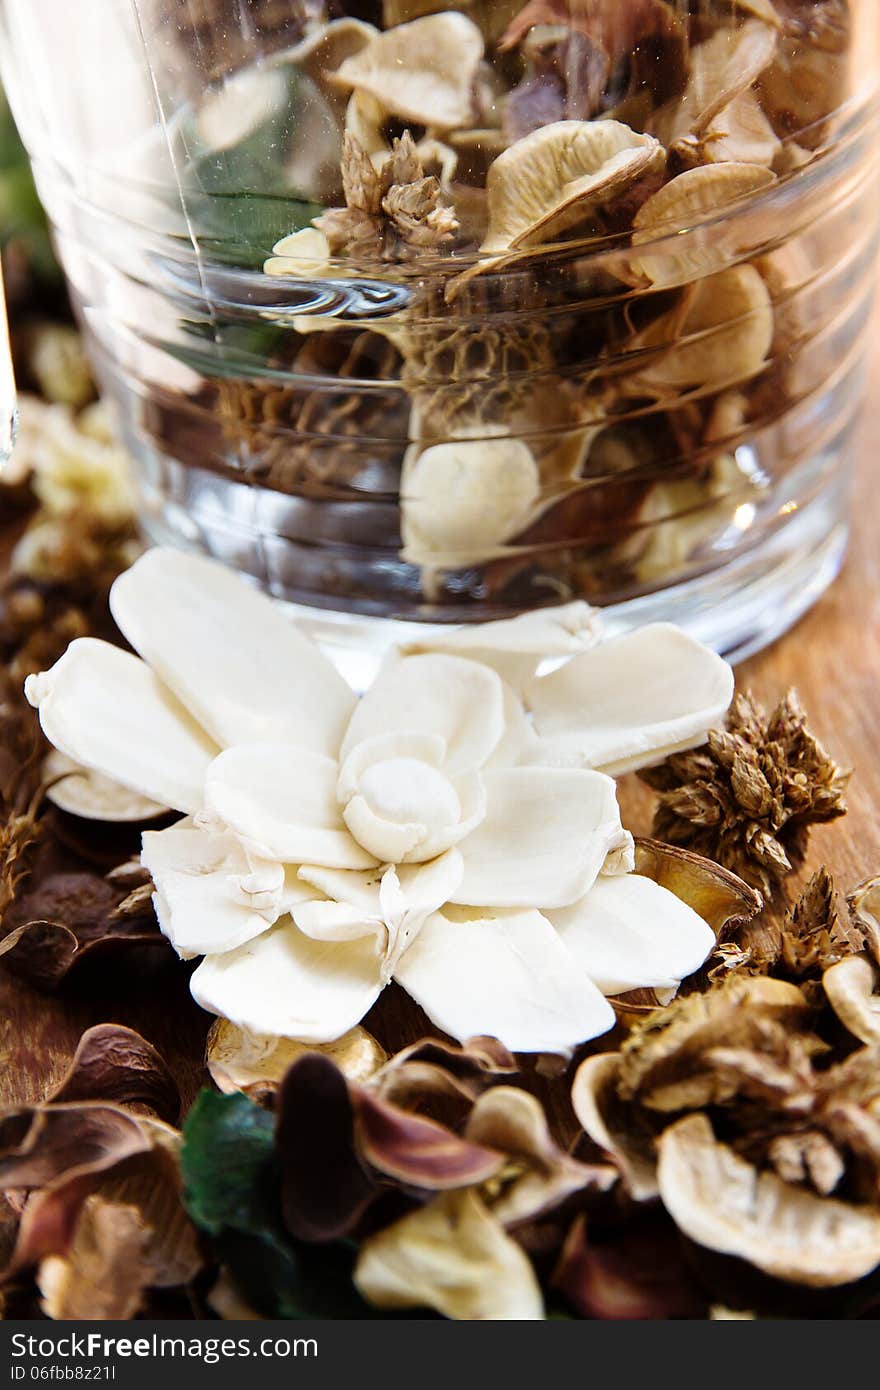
423	72
678	208
809	76
719	337
740	134
721	69
556	178
256	1063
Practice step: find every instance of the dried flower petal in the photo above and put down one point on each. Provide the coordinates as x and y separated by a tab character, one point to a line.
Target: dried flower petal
453	1256
542	1174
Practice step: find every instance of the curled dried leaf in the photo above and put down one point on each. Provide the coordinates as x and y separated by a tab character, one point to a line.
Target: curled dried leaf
639	1274
723	1203
617	1129
539	1175
852	987
325	1187
69	919
115	1064
418	1152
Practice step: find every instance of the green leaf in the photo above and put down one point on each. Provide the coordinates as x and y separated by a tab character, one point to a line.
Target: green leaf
231	1191
227	1163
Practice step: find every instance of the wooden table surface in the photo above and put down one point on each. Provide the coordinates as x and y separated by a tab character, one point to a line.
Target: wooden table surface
832	656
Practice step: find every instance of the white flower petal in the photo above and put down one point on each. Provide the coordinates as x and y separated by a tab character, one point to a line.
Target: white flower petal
630	702
407	811
519	742
461	701
93	796
357	887
545	838
506	975
285	984
108	712
515	647
426	748
230	653
331	921
283	799
212	897
629	933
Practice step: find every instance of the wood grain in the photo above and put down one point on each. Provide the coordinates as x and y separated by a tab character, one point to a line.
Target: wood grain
832	656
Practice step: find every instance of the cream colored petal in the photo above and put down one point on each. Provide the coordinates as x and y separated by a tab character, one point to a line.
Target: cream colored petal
722	1202
461	701
519	742
93	796
423	71
544	840
454	1257
213	898
230	654
515	647
331	921
283	799
108	712
629	933
285	984
357	887
408	812
631	701
507	976
306	252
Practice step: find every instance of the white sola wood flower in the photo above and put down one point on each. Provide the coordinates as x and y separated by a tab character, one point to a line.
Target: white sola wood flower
455	829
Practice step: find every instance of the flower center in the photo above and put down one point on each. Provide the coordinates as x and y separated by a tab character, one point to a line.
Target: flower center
407	791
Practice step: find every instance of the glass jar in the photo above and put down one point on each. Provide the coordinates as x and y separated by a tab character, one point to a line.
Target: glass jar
426	314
